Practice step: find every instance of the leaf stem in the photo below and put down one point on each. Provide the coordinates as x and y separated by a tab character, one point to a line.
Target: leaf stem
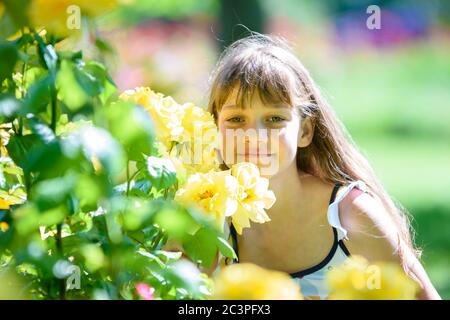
54	106
128	177
24	73
61	282
58	237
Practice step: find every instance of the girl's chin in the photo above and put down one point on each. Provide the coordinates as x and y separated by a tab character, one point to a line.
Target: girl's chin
267	164
262	158
259	161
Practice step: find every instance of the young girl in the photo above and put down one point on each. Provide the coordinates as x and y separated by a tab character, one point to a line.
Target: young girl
329	202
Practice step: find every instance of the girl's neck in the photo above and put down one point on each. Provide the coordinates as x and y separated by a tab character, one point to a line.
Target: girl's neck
290	190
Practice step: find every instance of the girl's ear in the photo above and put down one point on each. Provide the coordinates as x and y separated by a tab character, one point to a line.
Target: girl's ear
306	132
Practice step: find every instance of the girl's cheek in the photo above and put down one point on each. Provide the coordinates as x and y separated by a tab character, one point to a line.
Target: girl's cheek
288	138
227	145
223	135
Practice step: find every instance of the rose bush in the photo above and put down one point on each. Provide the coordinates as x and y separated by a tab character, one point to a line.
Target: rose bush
88	179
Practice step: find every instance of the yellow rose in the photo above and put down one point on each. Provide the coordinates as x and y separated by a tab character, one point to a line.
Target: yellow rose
254	196
53	15
199	123
4	226
201	139
186	132
4	139
7	201
246	281
213	192
164	111
356	279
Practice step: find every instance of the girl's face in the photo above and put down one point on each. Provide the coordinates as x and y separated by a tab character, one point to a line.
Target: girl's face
266	135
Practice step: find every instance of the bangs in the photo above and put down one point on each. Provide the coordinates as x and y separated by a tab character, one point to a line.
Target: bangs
272	81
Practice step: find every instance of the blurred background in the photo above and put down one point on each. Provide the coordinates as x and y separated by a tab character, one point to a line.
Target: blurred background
389	86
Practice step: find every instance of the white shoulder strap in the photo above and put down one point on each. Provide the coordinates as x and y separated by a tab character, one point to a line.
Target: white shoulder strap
333	209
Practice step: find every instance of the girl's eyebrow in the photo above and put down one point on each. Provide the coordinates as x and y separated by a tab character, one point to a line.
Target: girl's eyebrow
229	106
275	106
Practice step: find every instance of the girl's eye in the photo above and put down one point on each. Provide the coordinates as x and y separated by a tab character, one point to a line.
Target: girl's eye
276	119
236	120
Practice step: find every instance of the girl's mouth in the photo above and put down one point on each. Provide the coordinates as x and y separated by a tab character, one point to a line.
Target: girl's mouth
256	154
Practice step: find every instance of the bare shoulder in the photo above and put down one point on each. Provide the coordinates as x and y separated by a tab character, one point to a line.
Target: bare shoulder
373	234
371	230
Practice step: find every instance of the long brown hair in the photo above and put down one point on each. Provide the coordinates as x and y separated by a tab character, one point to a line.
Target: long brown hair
265	64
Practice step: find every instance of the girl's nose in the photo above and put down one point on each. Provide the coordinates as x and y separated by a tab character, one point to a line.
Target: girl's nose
256	136
255	125
260	125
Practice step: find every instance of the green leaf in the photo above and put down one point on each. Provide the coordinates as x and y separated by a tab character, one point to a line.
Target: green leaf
161	172
25	39
103	46
137	235
50	193
8	58
137	139
202	247
72	244
140	188
19	147
153	258
94	257
80	223
37	160
225	248
167	256
28	218
47	54
34	74
98	69
109	93
138	213
89	190
52	216
38	96
74	56
98	143
69	91
176	223
91	77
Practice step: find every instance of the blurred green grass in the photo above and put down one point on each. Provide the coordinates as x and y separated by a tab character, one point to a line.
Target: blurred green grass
396	105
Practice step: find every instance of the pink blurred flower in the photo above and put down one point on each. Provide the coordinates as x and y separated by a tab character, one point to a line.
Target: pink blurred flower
145	291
